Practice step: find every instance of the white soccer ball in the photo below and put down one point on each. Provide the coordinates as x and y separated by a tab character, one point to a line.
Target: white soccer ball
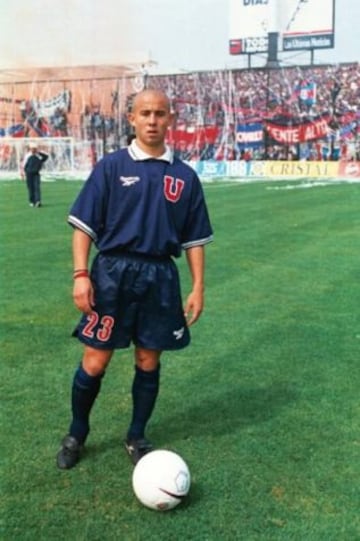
161	479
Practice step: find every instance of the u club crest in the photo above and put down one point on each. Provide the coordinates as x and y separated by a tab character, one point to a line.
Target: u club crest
173	188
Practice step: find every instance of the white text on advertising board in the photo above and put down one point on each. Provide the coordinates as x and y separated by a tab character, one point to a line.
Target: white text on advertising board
255	2
255	45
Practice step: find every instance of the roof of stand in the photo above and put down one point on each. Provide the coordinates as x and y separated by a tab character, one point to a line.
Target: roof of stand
80	72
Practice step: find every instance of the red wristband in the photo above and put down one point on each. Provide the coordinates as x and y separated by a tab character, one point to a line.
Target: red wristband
81	274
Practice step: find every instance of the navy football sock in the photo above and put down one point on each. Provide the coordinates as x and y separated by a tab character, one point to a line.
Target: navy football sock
84	392
145	389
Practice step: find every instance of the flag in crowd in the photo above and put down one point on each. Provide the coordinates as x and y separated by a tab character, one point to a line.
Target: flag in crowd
305	92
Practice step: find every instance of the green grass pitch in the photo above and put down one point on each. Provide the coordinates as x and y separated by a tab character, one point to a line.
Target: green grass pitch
263	406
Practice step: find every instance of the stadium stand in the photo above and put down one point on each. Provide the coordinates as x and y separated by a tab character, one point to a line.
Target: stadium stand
292	113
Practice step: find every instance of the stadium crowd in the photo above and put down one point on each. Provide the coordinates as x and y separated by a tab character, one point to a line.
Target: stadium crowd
227	114
288	96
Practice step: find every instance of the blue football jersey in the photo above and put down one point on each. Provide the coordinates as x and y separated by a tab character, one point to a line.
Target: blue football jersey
151	206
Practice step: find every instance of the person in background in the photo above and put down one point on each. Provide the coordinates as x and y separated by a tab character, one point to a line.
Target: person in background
141	207
32	165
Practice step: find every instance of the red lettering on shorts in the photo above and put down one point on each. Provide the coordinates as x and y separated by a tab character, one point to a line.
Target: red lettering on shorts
104	331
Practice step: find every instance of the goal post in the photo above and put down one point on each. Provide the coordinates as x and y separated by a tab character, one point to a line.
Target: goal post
68	158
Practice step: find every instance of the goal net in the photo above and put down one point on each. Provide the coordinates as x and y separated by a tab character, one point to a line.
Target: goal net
67	158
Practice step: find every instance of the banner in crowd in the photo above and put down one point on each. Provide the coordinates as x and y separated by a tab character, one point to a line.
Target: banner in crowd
193	135
301	133
47	108
249	135
348	131
16	130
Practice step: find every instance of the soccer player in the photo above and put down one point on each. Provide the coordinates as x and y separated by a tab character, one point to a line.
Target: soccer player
140	207
32	165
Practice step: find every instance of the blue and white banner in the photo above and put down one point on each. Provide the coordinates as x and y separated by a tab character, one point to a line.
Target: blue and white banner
249	135
47	108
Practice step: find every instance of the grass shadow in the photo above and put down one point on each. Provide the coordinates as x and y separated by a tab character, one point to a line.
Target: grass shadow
222	413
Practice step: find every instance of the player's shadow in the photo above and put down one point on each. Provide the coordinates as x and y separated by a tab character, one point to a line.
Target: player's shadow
223	413
220	413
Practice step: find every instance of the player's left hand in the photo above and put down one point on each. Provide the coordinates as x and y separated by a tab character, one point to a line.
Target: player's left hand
193	307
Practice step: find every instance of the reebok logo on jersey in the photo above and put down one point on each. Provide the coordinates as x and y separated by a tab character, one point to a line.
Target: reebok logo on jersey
179	333
129	181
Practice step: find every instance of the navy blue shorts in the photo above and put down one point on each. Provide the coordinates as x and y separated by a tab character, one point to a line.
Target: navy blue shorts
137	300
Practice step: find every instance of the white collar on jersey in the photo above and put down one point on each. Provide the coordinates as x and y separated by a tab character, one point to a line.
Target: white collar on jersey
139	155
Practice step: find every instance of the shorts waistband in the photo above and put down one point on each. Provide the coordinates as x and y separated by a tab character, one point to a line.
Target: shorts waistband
116	252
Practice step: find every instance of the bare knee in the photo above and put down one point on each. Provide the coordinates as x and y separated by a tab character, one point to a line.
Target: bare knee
95	361
147	359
